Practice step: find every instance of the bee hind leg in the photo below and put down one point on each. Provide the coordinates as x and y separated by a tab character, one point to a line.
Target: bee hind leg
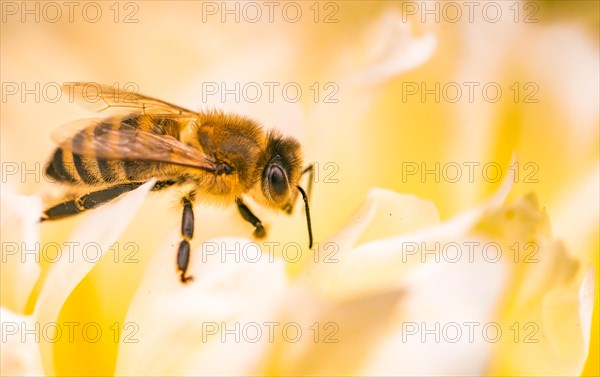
187	232
259	229
87	201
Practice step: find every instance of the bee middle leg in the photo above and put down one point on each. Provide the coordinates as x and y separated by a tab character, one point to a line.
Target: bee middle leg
187	232
259	229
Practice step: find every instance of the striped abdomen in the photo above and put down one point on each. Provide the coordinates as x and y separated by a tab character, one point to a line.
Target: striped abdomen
74	168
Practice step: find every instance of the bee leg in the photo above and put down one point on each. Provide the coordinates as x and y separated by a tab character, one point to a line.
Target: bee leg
289	207
161	185
259	229
310	169
87	201
307	211
187	232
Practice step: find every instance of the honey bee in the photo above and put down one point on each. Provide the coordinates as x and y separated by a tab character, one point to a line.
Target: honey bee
221	158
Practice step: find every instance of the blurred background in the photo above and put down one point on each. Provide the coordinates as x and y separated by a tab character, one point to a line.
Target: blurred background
427	98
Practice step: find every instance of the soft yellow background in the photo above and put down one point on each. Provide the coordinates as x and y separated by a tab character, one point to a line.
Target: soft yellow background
170	52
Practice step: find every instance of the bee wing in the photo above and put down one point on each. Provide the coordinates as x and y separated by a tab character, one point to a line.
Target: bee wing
98	139
100	98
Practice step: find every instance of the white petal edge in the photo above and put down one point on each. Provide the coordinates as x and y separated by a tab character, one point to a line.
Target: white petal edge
221	294
19	354
436	295
20	271
586	305
578	200
325	275
394	50
102	227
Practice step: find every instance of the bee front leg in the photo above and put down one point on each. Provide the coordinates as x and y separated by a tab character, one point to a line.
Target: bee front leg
187	232
259	229
310	169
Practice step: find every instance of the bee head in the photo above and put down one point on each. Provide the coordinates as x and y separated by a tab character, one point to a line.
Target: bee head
282	168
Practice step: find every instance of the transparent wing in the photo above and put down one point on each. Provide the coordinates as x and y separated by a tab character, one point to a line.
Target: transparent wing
100	139
100	98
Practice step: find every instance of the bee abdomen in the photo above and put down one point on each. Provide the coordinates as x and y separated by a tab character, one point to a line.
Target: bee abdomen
72	168
105	170
84	167
58	170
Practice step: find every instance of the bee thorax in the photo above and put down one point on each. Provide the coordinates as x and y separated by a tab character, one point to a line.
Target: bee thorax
223	168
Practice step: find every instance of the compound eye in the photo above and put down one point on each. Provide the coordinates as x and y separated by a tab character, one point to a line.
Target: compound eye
278	183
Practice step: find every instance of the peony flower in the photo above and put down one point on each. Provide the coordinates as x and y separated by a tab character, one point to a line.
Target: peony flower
366	307
389	287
